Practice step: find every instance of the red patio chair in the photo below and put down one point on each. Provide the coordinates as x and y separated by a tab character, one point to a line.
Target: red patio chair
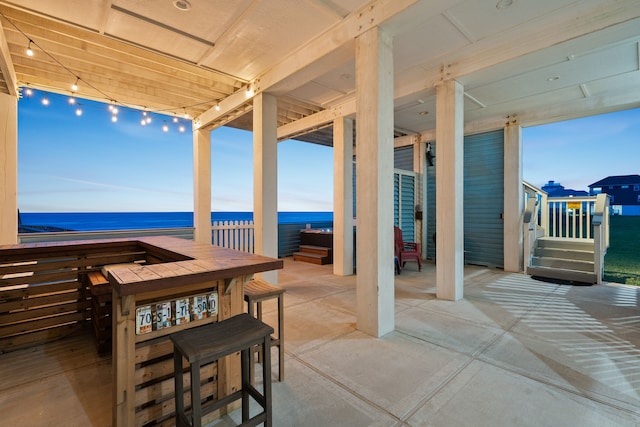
406	251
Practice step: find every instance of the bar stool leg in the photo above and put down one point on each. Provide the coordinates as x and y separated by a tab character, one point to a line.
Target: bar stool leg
179	387
280	338
252	360
266	379
196	409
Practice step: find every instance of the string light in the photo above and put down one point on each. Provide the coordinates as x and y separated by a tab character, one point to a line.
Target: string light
78	111
29	50
249	91
45	101
218	106
74	87
114	118
165	127
186	115
72	100
175	119
181	128
28	91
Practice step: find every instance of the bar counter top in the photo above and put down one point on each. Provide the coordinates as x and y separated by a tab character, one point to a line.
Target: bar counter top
179	261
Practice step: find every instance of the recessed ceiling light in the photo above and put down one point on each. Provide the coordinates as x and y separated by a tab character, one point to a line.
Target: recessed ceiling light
182	4
553	78
503	4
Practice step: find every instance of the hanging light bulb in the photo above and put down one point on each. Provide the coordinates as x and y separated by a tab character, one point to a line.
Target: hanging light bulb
28	91
29	50
218	107
78	111
110	107
74	87
114	118
148	119
114	110
165	127
72	100
186	115
175	119
249	91
45	101
181	129
143	122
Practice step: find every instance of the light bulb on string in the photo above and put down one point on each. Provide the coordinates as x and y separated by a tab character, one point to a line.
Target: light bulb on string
186	115
78	111
114	118
148	119
165	127
72	100
218	107
28	91
45	101
29	50
249	91
143	122
181	129
74	87
175	119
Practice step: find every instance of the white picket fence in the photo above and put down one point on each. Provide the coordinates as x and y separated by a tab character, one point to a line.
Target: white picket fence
236	235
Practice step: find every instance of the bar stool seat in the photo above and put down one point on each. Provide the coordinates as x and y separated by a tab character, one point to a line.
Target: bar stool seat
257	291
208	343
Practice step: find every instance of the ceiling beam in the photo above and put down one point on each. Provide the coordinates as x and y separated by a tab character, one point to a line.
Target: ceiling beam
373	14
6	65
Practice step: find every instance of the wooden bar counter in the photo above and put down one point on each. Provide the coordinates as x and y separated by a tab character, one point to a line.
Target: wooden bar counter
169	283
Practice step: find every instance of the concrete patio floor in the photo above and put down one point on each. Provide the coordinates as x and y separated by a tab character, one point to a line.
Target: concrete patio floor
514	352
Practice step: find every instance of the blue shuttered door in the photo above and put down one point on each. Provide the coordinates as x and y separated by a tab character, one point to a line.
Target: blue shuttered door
483	200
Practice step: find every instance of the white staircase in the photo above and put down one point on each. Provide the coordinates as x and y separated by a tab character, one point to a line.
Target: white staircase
564	259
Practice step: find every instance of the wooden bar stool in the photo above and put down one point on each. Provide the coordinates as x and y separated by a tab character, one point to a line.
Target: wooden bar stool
206	344
255	292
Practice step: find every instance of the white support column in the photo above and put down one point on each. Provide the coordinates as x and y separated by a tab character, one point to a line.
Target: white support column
449	191
419	167
343	197
374	181
513	198
202	186
265	178
9	170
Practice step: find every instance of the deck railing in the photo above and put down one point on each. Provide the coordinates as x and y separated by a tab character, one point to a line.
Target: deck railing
237	235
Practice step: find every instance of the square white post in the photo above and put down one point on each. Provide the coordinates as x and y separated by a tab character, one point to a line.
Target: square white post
343	197
265	178
374	181
202	186
450	191
9	170
513	199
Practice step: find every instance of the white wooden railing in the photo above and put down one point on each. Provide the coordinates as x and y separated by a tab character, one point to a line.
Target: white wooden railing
600	233
238	235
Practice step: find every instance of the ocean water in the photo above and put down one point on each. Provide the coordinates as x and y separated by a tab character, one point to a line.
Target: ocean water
96	221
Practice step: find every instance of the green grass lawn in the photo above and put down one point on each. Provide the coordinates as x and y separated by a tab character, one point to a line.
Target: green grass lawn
622	262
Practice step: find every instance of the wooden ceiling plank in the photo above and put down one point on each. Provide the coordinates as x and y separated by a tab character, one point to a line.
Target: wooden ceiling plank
51	26
373	14
6	66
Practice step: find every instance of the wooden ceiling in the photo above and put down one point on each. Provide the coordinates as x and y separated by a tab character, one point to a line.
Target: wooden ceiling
539	61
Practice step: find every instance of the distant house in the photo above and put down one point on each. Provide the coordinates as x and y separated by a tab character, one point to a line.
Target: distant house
555	189
624	191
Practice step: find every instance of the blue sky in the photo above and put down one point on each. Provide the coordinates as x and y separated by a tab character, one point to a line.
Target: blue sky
69	163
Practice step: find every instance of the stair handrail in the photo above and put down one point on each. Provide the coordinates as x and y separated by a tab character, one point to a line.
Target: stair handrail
600	233
542	217
529	231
